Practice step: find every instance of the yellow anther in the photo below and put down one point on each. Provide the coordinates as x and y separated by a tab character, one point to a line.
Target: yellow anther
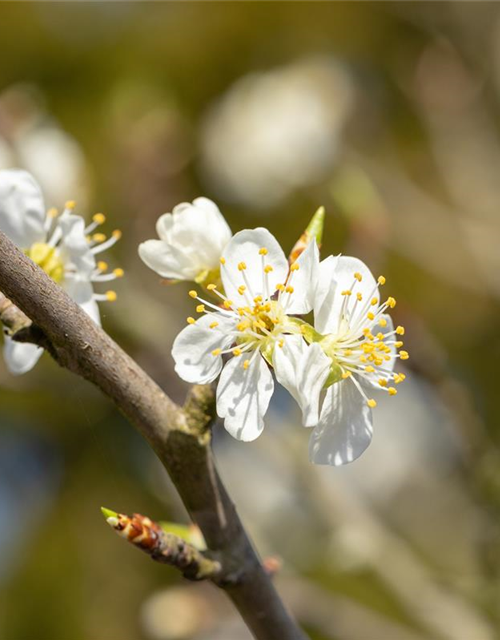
400	331
348	352
281	344
242	266
200	308
380	335
98	237
373	301
222	260
211	287
398	344
246	364
242	326
399	377
382	382
237	352
289	289
378	361
369	369
359	296
371	403
228	304
119	273
70	204
392	391
370	315
346	374
263	251
99	218
241	289
368	348
102	266
280	287
216	352
52	212
242	310
381	280
257	299
363	359
117	234
391	302
295	267
193	293
346	292
111	296
212	325
404	355
358	276
268	268
382	322
191	320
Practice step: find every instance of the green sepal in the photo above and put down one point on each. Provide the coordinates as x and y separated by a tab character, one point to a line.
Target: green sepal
315	227
309	333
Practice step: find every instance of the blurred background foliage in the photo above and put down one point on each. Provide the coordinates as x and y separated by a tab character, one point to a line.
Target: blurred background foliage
387	114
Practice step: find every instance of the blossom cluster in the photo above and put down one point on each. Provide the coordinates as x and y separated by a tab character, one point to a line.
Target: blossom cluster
250	321
252	307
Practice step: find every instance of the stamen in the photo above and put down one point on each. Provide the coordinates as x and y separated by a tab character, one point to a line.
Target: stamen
381	280
392	391
241	266
358	276
404	355
110	296
193	293
371	403
400	331
216	352
222	260
200	308
263	251
191	320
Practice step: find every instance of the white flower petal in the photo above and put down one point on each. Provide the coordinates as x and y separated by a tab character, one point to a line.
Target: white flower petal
82	292
304	281
244	248
164	227
167	260
243	397
192	349
74	247
345	427
324	296
302	369
22	211
20	357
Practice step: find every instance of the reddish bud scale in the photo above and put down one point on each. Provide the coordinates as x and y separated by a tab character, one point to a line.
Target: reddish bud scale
139	530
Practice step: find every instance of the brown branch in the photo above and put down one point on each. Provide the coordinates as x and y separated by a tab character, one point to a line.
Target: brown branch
179	436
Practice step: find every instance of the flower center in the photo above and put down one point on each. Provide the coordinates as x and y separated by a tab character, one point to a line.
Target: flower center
48	259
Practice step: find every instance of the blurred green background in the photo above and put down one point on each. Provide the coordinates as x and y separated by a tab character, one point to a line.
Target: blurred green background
388	115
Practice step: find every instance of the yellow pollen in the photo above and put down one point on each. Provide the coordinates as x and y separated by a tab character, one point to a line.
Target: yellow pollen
398	344
371	403
111	296
391	302
369	369
99	218
359	296
404	355
102	266
400	331
358	276
242	310
370	315
191	320
193	293
237	352
382	322
281	344
363	359
216	352
200	308
295	267
289	289
257	299
346	374
213	325
378	361
98	237
52	212
242	326
246	364
346	292
399	377
241	266
380	335
392	391
263	251
381	280
228	304
118	273
280	287
222	260
211	287
373	301
382	382
117	234
241	289
268	268
70	204
368	348
348	352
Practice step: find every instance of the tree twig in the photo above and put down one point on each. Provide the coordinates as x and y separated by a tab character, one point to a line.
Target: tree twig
179	436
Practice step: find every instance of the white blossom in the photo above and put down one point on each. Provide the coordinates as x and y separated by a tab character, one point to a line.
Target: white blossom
62	245
192	239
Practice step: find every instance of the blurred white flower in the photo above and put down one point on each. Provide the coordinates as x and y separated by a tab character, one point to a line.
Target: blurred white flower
62	245
276	131
192	240
31	139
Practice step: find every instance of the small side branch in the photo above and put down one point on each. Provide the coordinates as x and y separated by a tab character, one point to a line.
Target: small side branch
163	547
